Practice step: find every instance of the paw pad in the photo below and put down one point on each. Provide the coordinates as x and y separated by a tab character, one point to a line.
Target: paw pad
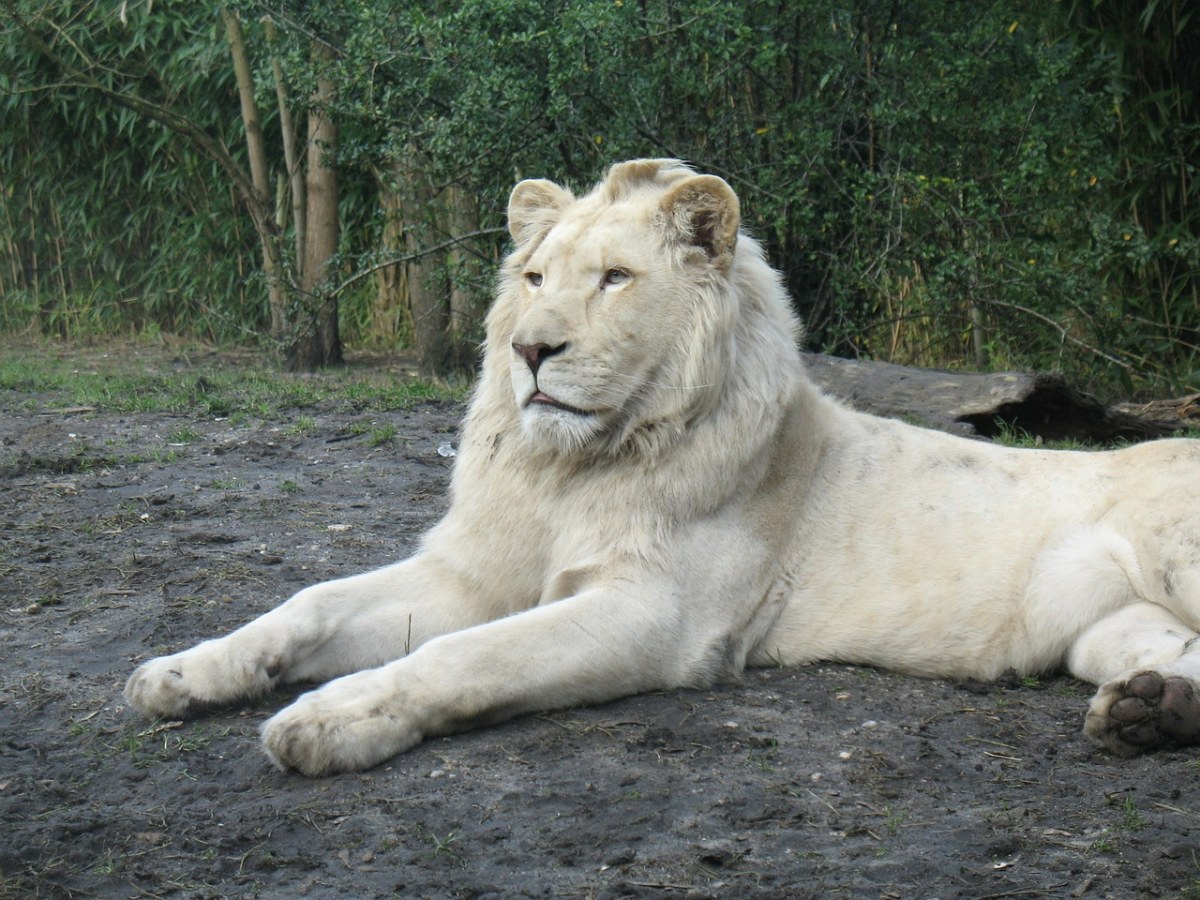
1154	711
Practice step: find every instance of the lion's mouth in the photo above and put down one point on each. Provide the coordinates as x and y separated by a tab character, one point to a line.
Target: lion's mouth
541	398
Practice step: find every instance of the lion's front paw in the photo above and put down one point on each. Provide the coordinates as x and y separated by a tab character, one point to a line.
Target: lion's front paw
1143	712
160	687
185	683
336	730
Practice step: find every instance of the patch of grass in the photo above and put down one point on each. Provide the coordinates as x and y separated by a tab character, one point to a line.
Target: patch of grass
441	846
139	380
303	425
1011	436
382	434
184	435
105	865
893	819
393	394
377	434
193	741
164	741
131	742
1131	819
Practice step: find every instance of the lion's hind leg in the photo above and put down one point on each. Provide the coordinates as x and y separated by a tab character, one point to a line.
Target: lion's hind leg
1147	663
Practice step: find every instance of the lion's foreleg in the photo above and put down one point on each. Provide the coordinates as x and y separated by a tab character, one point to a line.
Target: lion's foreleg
322	632
592	647
1147	664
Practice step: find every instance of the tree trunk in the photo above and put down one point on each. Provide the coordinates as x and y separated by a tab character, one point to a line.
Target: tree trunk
316	342
391	282
428	305
428	287
461	217
260	203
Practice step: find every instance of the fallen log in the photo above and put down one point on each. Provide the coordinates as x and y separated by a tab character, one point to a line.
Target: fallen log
1174	413
977	404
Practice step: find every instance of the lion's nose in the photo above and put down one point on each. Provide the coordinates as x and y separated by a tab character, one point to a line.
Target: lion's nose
536	354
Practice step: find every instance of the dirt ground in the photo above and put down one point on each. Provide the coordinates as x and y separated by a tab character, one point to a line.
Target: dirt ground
121	542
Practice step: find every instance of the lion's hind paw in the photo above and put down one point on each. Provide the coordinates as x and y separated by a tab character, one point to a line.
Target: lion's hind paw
1145	712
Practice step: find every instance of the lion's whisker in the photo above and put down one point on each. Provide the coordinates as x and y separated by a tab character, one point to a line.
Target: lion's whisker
662	386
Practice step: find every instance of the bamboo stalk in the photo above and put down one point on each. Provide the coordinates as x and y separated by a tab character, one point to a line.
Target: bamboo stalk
12	249
260	202
33	247
291	158
57	244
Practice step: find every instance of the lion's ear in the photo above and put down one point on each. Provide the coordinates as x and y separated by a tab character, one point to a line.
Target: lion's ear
533	208
704	211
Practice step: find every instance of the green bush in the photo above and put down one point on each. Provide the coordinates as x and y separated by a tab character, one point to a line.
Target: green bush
1010	185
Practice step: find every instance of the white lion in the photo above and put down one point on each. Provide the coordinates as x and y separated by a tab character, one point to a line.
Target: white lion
651	493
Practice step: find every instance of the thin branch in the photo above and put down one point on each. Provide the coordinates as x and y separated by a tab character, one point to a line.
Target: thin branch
410	257
1061	329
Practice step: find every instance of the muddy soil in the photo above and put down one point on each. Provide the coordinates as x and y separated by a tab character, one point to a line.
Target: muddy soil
129	535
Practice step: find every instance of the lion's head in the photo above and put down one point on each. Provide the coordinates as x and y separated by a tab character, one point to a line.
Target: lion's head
616	312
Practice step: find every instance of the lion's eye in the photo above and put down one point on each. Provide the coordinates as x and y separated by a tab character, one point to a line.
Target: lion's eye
533	279
613	277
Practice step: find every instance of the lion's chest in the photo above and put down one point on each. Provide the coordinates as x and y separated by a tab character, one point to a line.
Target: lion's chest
532	531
